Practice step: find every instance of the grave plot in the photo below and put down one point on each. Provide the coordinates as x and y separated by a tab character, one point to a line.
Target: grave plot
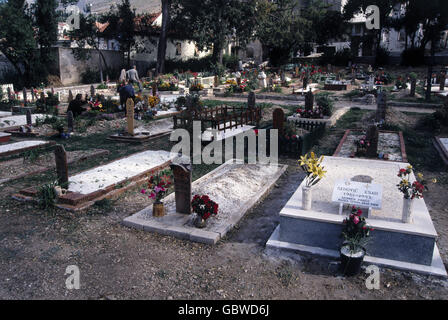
393	242
322	112
22	146
441	144
15	122
391	145
28	166
227	121
234	186
141	134
101	182
4	114
5	137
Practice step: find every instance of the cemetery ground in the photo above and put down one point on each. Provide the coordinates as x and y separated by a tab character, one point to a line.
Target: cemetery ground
117	262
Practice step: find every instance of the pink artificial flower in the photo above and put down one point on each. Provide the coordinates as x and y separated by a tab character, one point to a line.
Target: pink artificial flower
152	196
356	219
143	191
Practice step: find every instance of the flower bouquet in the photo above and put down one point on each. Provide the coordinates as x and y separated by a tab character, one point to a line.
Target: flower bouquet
314	170
158	185
356	234
204	208
410	190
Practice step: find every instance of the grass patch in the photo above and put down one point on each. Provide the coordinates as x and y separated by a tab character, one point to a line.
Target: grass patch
351	119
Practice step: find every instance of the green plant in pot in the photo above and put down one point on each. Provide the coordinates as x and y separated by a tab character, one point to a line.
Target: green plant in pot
356	234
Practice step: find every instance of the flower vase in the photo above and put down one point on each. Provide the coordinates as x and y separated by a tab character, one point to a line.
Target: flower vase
200	223
351	261
408	205
307	198
158	209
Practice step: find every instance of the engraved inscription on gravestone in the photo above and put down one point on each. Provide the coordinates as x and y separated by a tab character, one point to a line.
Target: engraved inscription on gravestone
366	195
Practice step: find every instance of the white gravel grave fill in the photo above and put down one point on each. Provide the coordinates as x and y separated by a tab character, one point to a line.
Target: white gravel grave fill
20	145
120	170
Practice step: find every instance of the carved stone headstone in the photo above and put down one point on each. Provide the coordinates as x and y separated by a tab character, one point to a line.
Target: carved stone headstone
216	81
309	101
305	82
61	165
182	187
9	94
154	89
442	80
381	109
278	120
130	116
413	87
24	96
70	121
70	96
251	100
33	95
29	121
372	138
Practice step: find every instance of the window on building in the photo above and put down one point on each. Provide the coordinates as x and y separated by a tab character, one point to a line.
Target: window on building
178	49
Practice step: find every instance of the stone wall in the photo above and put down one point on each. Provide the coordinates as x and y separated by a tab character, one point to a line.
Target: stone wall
69	69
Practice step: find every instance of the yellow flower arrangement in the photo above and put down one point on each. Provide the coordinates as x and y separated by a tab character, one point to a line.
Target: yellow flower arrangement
231	82
313	168
153	101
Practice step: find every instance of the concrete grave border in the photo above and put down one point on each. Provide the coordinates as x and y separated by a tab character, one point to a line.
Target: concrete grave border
100	153
195	234
440	148
76	202
17	151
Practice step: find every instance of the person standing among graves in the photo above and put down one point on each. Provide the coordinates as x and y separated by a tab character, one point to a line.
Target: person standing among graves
76	106
123	76
126	92
133	77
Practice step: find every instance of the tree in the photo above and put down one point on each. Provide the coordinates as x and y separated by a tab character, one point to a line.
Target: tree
161	52
354	7
126	28
17	40
46	15
280	29
325	24
430	18
214	23
87	36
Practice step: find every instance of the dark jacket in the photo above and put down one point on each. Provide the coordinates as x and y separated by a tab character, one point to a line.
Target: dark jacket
126	92
75	106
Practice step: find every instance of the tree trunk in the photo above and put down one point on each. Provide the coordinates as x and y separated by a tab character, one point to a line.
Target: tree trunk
430	70
161	51
217	51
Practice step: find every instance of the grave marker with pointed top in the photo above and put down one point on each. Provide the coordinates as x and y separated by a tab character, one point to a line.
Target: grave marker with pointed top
130	116
61	165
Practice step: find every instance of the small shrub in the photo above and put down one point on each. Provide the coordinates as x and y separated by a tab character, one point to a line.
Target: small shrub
90	76
325	103
46	195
